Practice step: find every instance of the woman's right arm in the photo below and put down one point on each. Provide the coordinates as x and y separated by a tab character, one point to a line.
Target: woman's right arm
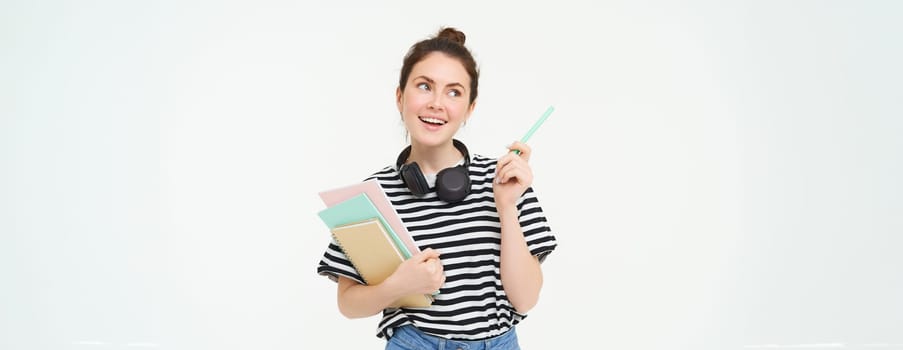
421	273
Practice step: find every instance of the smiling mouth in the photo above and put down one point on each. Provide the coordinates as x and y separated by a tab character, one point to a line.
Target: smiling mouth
432	121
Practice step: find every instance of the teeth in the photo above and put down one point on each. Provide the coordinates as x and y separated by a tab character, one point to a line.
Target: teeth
432	120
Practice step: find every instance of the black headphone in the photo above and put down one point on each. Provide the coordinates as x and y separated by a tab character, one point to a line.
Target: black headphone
452	184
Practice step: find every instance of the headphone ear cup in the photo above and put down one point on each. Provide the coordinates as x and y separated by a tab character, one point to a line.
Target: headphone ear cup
413	178
453	184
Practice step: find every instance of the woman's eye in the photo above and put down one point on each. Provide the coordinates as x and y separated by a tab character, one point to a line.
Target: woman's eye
423	86
454	93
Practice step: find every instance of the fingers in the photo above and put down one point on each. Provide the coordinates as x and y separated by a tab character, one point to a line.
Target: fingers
433	265
512	158
439	281
511	166
521	147
437	274
426	254
429	257
422	273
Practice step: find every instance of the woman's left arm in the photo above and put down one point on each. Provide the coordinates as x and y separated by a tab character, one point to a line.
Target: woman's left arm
520	270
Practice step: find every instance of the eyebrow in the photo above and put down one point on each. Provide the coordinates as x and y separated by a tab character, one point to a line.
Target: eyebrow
431	81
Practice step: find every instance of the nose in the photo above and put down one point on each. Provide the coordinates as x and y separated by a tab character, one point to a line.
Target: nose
436	102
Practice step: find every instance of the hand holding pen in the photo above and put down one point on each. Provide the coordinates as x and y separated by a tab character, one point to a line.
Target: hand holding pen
513	174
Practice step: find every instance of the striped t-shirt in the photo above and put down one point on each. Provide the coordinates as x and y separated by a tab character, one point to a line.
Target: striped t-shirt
472	304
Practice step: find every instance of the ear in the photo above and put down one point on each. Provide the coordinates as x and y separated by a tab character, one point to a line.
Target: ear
470	110
398	98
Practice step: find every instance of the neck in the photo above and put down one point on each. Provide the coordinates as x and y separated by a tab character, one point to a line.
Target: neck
432	159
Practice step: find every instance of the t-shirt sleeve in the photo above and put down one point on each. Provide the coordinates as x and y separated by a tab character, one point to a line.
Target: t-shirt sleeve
540	240
334	264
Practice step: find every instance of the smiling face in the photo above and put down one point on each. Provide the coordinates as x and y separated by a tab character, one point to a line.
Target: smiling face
435	101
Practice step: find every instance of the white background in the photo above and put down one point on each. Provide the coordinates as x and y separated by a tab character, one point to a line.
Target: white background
720	175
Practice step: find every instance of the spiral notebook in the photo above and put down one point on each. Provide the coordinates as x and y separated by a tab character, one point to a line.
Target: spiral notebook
375	256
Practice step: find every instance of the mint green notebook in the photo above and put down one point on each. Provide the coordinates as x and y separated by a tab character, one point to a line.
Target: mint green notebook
356	209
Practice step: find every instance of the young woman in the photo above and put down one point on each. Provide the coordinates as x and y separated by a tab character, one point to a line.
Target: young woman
477	221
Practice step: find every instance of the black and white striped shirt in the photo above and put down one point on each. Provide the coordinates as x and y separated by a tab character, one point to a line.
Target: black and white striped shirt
471	304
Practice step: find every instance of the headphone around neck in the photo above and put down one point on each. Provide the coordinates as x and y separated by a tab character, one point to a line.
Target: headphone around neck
452	184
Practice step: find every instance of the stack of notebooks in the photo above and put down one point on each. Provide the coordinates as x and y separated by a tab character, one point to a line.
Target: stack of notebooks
371	234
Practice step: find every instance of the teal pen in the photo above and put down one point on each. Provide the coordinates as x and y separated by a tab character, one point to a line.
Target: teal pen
536	125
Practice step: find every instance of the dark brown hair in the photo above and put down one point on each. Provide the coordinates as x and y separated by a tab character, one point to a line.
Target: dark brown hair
449	41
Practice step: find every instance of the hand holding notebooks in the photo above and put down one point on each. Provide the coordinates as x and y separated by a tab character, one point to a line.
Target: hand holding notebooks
371	257
373	253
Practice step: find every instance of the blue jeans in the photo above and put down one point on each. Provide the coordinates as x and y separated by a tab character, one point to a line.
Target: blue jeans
408	337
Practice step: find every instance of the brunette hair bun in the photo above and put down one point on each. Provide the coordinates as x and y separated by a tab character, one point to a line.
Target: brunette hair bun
452	34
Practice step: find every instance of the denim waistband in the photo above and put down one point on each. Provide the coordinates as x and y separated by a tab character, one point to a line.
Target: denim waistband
409	337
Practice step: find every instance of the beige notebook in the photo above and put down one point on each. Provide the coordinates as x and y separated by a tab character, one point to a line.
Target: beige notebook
372	252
